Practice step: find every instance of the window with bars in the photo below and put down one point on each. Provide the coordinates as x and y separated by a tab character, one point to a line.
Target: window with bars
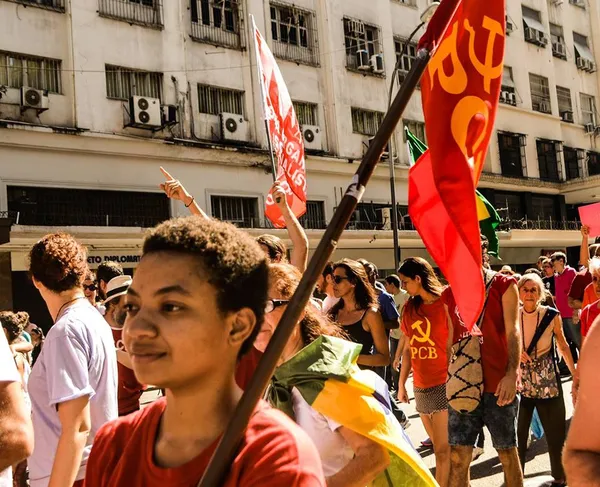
593	163
218	22
294	33
214	100
417	129
572	168
588	109
557	38
512	154
57	5
306	113
509	205
359	36
565	104
540	93
543	207
404	60
366	122
123	83
508	82
18	70
548	161
87	207
314	217
241	211
141	12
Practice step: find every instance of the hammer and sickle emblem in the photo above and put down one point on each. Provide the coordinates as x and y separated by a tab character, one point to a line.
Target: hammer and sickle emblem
486	69
424	338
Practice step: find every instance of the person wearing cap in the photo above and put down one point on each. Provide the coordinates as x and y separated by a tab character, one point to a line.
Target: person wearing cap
129	389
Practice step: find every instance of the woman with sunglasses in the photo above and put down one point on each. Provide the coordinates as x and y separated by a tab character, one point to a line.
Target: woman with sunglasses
357	312
427	327
90	288
541	389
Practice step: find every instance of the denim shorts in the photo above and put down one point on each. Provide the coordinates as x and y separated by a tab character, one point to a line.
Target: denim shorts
463	429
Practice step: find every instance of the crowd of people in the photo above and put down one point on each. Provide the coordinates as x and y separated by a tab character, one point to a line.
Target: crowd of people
200	311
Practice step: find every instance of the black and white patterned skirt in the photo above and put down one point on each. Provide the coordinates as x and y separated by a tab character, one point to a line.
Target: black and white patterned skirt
431	400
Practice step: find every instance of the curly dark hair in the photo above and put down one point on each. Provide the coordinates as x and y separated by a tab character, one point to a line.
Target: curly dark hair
286	279
234	263
275	246
13	324
109	270
59	262
364	292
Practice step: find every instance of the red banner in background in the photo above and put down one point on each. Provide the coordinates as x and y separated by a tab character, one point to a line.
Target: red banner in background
284	131
460	92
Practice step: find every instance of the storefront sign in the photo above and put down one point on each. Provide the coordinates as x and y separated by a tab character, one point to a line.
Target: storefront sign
127	258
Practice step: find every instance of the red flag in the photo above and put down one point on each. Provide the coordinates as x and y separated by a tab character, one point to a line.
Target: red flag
284	131
460	90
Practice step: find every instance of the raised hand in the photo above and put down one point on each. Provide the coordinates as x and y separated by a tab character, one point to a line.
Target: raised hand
174	189
279	195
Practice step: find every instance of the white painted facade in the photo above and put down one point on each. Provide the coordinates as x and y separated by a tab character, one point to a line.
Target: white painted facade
96	151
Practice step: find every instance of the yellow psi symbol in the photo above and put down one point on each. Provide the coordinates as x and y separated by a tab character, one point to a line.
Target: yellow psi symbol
424	338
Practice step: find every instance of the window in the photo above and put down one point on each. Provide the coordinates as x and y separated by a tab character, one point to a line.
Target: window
294	33
548	160
306	113
240	211
417	129
365	122
509	205
315	215
572	166
559	48
512	154
358	37
83	207
533	27
217	22
18	70
406	59
588	109
123	83
583	55
593	163
564	100
540	94
57	5
142	12
543	207
214	100
508	92
368	216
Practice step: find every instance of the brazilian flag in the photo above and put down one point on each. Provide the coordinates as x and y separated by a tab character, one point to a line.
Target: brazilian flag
328	378
486	213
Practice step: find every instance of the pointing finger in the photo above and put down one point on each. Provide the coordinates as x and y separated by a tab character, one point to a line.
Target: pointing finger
166	174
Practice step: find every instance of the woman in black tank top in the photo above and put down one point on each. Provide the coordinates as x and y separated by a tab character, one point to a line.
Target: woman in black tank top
357	312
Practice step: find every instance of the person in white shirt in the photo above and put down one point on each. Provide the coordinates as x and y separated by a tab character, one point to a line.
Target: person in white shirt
325	286
16	430
393	286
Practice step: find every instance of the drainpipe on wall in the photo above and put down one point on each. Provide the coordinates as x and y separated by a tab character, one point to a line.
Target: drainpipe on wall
72	47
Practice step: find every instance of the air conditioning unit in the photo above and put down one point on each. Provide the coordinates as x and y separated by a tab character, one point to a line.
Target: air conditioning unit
567	116
512	99
504	97
234	127
590	66
544	107
510	27
312	137
590	128
579	3
169	114
559	49
386	150
377	64
581	63
386	216
541	38
530	35
362	60
32	98
144	112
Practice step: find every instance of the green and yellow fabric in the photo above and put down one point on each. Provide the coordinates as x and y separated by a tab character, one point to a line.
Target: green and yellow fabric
328	378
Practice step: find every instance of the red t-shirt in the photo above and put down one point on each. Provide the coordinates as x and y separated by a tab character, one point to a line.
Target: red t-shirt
588	315
589	295
274	452
129	388
246	367
427	332
581	281
494	349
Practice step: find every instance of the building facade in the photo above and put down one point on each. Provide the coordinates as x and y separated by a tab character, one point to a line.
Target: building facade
97	94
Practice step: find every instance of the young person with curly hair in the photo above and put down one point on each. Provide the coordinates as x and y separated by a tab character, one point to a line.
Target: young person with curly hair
196	304
73	384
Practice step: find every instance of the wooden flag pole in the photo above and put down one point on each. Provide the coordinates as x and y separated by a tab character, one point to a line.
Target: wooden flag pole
226	450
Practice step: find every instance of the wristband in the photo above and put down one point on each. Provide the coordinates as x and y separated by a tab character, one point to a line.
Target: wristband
187	206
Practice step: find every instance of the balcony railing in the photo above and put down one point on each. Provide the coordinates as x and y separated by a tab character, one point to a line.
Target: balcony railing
141	12
218	23
56	5
83	219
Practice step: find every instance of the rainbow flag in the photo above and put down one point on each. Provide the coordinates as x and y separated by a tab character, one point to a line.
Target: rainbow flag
486	213
328	378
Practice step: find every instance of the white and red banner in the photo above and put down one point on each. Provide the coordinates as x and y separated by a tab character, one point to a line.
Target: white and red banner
284	131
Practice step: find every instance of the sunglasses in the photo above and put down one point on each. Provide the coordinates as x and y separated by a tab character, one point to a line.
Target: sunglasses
90	287
275	303
338	279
